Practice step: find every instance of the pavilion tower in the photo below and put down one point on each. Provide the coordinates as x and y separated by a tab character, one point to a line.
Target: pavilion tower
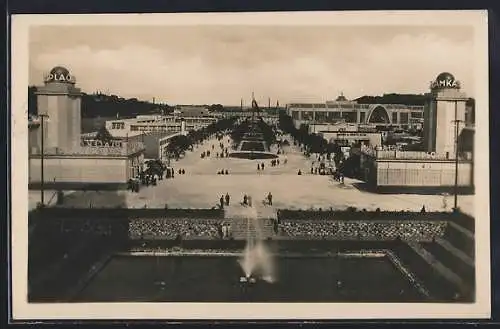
444	110
59	104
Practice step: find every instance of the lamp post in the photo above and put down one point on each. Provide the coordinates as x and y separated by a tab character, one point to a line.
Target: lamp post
457	126
42	156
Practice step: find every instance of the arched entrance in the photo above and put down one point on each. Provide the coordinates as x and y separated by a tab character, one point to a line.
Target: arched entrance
379	115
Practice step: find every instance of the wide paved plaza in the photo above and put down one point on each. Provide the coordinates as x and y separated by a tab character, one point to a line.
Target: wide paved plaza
201	187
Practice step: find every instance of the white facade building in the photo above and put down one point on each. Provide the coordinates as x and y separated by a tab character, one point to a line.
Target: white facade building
56	144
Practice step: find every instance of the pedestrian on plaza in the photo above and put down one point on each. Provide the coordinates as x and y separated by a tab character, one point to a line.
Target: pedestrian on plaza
222	231
299	172
227	172
183	171
221	202
227	199
262	166
312	170
270	199
445	202
249	200
245	200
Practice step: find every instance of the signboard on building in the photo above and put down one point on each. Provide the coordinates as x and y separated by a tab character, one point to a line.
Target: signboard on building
98	143
59	77
448	83
353	135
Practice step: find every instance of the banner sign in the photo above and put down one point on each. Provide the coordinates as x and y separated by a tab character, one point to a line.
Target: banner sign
99	144
445	84
352	135
59	77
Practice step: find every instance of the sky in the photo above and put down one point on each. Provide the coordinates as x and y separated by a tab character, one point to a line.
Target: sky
220	64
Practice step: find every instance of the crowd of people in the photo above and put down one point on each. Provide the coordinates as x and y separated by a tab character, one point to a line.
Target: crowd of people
363	230
224	200
222	150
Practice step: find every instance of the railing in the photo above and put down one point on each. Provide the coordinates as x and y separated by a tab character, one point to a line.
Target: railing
413	155
125	149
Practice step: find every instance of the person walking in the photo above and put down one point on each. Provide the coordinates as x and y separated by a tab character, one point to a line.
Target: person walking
227	199
270	199
245	200
221	202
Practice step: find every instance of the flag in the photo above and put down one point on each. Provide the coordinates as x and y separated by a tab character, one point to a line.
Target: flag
254	104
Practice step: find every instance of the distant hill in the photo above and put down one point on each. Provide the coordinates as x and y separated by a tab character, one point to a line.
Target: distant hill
405	99
102	105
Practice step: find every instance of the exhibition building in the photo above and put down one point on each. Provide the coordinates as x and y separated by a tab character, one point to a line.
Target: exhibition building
446	161
57	154
342	109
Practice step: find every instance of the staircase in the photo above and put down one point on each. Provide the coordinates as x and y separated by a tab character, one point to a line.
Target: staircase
251	222
452	255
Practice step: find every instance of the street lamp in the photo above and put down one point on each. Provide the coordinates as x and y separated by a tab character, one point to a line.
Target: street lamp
457	126
42	179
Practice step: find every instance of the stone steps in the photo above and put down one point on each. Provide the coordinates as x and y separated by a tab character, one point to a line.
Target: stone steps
242	230
251	222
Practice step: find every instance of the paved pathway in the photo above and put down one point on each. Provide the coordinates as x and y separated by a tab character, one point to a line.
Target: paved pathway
201	187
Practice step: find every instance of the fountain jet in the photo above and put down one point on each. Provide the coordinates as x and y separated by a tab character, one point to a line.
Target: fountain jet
256	260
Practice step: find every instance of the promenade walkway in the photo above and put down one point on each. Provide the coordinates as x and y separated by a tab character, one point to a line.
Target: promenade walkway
201	187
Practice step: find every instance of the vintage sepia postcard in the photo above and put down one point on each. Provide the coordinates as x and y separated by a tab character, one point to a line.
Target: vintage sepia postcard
307	165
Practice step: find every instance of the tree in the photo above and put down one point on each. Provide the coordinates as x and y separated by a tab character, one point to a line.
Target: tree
338	158
155	167
104	135
333	148
178	145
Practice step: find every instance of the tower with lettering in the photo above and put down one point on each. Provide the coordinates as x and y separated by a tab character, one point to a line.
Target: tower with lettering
443	111
59	103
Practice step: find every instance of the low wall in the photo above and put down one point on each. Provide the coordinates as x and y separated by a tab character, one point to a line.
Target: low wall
422	190
125	213
78	186
285	214
206	224
301	246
